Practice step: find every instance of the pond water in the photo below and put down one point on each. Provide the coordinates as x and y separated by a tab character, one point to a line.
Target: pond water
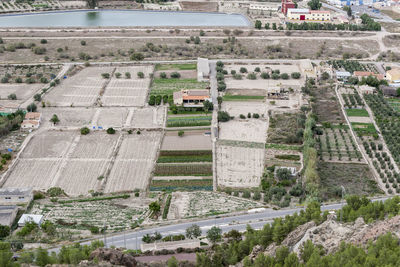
122	18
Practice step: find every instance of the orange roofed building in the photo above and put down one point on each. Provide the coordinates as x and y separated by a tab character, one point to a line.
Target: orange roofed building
361	74
191	98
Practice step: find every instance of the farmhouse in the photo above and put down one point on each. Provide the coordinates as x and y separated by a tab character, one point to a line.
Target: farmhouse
25	218
15	196
365	89
308	68
191	98
7	215
388	90
393	75
286	4
264	6
343	75
308	15
203	69
362	74
32	120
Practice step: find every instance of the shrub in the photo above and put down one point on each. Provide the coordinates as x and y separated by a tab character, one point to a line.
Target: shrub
127	75
55	192
43	41
37	97
251	76
140	75
117	75
137	56
223	116
85	130
39	50
246	194
110	130
284	76
242	116
12	97
18	80
31	107
175	75
181	133
163	75
83	42
295	75
105	75
243	70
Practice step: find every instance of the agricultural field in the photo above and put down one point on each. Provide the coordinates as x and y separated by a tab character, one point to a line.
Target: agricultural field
353	112
357	179
81	217
191	140
188	121
352	65
236	108
364	129
336	144
352	100
134	162
79	90
69	117
11	95
286	128
66	159
28	74
326	105
239	164
195	204
184	183
284	158
110	117
183	169
394	103
250	130
148	117
126	88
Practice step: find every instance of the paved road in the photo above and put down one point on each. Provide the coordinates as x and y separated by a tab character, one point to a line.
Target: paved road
132	240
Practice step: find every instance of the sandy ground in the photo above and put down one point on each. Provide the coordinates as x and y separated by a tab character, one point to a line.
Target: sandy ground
239	166
22	91
192	140
235	108
250	130
360	119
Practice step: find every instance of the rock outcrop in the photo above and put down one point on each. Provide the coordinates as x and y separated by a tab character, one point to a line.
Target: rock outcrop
113	256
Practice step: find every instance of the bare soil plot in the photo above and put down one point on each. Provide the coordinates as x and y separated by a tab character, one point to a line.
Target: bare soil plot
22	91
148	117
286	128
128	92
69	117
189	204
96	145
191	140
185	74
326	106
134	162
250	130
360	119
110	117
35	173
281	158
49	144
236	108
239	166
357	179
82	89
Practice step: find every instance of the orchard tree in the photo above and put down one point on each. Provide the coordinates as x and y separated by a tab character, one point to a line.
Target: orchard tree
193	231
214	234
314	4
258	25
92	3
55	119
154	207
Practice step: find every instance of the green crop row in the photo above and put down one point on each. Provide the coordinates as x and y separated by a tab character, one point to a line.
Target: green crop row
183	170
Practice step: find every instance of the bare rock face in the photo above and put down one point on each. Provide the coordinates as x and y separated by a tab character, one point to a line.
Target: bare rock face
113	256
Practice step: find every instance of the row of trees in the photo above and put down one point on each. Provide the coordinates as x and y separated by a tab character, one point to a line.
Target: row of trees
315	26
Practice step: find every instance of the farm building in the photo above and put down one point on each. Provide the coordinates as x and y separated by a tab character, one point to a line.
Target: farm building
32	120
388	90
203	69
308	68
265	6
25	218
15	196
286	4
304	14
365	89
343	75
393	75
191	98
8	214
365	74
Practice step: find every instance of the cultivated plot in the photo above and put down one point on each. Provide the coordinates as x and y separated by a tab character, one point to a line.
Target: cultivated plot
22	92
128	91
148	117
235	108
82	89
110	117
134	162
69	117
250	130
191	140
239	166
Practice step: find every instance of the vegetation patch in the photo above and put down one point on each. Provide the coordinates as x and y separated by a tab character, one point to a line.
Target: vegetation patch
356	179
288	157
190	66
286	128
229	97
183	170
168	86
354	112
182	185
185	156
363	129
189	121
283	147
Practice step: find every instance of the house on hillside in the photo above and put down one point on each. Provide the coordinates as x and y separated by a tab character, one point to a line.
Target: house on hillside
191	98
15	196
366	74
32	120
203	69
25	218
365	89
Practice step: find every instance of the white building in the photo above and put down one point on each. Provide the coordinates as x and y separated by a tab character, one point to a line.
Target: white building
304	14
25	218
203	69
15	196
